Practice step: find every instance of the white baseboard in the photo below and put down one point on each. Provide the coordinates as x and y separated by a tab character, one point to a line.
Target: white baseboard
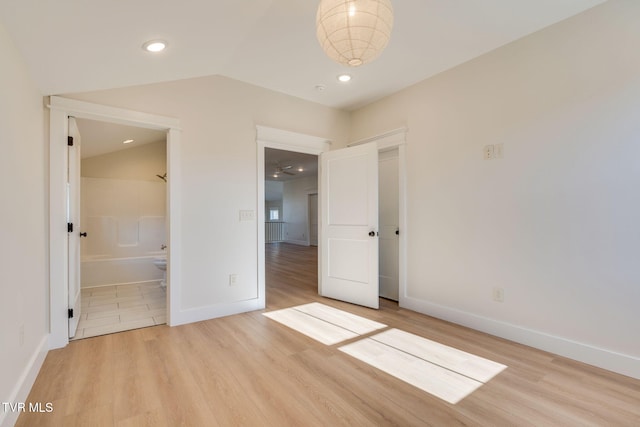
25	382
297	242
602	358
219	310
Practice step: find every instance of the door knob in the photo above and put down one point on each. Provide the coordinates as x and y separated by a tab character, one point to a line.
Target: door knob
372	233
397	232
83	234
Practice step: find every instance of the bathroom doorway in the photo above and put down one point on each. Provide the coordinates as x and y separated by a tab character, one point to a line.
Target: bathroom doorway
123	220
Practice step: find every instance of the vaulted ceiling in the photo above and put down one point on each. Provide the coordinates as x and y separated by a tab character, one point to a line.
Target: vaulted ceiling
78	45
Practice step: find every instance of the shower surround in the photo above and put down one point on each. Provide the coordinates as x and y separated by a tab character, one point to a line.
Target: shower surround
125	222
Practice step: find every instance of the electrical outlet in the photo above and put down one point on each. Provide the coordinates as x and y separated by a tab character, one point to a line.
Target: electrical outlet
233	279
498	294
487	152
21	334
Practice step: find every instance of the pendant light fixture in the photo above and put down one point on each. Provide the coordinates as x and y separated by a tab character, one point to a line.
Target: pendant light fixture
354	32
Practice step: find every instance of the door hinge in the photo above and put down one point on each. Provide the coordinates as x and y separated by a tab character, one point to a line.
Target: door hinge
71	313
69	227
70	141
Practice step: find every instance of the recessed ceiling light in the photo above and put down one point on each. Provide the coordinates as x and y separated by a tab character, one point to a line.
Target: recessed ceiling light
127	141
275	175
155	46
344	78
300	170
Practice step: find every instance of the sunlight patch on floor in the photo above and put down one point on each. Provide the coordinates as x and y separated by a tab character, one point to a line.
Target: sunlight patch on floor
325	324
447	373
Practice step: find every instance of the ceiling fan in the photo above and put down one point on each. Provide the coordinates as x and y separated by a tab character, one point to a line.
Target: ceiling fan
283	169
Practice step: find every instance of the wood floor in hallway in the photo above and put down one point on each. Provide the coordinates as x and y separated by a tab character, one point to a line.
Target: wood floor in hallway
248	370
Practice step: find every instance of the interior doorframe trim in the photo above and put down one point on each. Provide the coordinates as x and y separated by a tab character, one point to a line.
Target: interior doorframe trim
60	109
267	137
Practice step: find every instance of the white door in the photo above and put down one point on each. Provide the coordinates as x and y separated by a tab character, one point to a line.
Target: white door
349	225
73	221
313	219
389	228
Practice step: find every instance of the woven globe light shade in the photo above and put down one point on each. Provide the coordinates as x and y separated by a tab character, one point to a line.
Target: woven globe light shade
354	32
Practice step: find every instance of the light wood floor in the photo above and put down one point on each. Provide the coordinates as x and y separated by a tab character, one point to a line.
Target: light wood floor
249	370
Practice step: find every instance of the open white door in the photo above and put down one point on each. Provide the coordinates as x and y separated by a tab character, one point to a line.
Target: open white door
348	225
73	225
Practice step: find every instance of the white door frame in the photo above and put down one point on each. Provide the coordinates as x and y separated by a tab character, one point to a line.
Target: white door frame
397	138
309	194
60	110
301	143
267	137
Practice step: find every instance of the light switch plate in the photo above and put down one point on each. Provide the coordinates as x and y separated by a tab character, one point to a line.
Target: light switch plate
247	215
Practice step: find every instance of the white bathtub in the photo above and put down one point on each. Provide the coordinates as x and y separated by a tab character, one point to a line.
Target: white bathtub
101	271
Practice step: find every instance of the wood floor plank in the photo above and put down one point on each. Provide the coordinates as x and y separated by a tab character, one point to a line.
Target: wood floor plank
248	370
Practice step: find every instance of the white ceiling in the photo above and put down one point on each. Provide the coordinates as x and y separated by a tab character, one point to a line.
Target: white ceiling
79	45
274	158
102	138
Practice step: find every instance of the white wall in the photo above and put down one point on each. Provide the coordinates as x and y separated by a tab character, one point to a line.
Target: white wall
218	163
556	221
273	191
141	163
23	230
294	208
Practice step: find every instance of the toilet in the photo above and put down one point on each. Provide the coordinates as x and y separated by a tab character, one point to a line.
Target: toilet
161	263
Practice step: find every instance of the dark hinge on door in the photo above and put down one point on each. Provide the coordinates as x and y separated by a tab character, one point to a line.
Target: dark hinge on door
70	141
69	227
70	313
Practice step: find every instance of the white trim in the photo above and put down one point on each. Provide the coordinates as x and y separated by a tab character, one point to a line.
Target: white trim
309	194
402	222
198	314
104	113
616	362
60	109
22	388
281	140
58	242
279	137
297	242
386	140
174	227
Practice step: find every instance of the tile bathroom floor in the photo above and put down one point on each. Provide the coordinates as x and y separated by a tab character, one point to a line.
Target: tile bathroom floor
116	308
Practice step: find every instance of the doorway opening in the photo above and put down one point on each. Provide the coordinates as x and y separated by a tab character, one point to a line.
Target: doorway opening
291	216
61	312
392	142
389	224
123	238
